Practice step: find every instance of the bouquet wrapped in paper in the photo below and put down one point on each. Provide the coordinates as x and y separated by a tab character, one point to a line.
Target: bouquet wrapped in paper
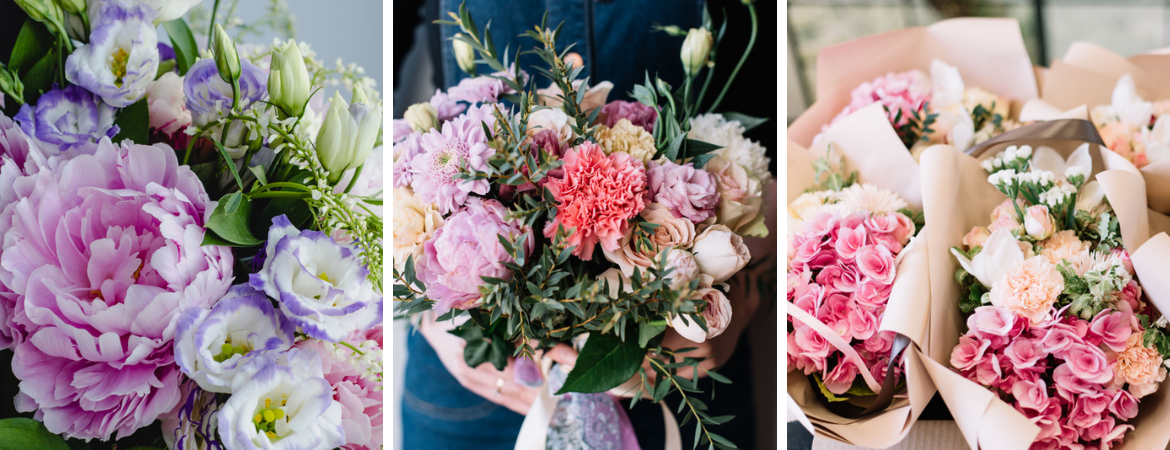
1054	340
534	217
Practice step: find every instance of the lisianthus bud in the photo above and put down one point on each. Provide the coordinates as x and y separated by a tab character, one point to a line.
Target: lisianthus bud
464	54
288	80
227	61
44	11
696	49
72	6
422	117
348	134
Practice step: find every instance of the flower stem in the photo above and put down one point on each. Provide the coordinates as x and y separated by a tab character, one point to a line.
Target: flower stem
751	43
211	25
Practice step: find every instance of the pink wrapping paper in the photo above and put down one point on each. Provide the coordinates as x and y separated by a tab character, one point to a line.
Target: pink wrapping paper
989	54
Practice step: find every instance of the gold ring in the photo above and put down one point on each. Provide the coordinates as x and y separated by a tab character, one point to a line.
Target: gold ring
499	385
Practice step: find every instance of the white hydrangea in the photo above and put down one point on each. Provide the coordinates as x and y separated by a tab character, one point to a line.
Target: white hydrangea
716	129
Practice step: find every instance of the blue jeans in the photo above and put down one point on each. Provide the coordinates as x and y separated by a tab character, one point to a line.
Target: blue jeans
439	414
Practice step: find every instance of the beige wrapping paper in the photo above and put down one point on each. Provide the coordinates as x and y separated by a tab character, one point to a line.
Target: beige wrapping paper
957	197
989	54
869	146
1086	77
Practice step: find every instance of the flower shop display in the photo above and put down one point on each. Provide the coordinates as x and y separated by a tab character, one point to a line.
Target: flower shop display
191	247
532	217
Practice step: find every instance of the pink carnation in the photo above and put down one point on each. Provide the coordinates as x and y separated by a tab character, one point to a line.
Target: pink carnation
596	197
637	113
355	385
99	298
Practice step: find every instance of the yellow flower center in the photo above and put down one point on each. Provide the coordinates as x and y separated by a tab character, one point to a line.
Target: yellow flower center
324	277
228	350
266	418
118	65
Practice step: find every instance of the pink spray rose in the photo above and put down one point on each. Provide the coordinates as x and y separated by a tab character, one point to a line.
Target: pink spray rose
876	263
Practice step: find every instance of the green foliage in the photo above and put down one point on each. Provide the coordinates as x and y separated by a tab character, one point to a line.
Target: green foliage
186	51
603	364
972	290
23	433
229	221
830	178
133	122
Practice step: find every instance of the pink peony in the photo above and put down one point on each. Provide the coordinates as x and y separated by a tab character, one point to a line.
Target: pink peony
687	191
98	300
637	113
597	196
460	143
357	385
465	249
482	89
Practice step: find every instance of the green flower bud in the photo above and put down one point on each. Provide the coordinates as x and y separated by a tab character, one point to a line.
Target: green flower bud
227	61
288	79
464	54
44	11
696	49
72	6
348	134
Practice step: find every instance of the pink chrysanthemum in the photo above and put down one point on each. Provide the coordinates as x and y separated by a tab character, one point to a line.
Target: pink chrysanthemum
597	196
461	143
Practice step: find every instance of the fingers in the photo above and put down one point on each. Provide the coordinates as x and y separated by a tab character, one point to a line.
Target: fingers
563	354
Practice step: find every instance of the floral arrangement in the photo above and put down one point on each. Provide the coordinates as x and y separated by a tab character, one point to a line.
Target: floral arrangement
934	109
1132	127
191	247
1057	323
844	242
541	216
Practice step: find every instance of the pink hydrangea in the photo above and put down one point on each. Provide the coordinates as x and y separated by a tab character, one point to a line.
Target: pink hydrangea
597	195
687	191
465	249
460	143
637	113
100	258
902	94
357	385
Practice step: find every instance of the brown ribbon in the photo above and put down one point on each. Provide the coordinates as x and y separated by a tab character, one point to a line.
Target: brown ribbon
1064	129
889	385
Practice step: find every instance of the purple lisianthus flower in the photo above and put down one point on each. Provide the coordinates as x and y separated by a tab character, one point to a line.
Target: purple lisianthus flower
461	142
68	117
165	52
687	191
637	113
96	303
404	152
214	346
446	108
322	286
121	58
309	416
465	249
209	98
193	424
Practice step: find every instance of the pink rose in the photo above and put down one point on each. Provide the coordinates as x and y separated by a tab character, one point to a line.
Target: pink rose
969	352
1023	353
876	263
1089	364
1124	405
906	228
976	237
991	320
811	344
1038	223
1112	328
800	360
887	241
854	220
1057	340
835	309
880	343
1031	395
1005	215
840	379
1098	430
988	371
807	297
821	225
849	241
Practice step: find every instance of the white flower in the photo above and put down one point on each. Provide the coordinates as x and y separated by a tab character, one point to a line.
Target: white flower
685	268
1127	105
1001	254
1047	159
720	253
551	119
715	129
1157	139
169	10
291	401
867	197
717	314
215	346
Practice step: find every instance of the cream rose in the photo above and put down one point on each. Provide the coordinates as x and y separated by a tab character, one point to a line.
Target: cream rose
414	222
551	119
976	237
685	268
1037	222
717	314
720	252
742	199
628	138
1029	290
614	278
671	232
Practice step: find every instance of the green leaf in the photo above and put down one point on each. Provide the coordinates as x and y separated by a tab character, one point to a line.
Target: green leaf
605	363
32	44
644	96
230	220
747	121
134	123
20	432
696	148
702	160
258	170
186	52
673	147
39	78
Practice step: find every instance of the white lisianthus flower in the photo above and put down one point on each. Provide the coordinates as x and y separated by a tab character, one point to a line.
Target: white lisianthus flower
720	253
322	286
215	346
121	59
715	129
1001	254
288	404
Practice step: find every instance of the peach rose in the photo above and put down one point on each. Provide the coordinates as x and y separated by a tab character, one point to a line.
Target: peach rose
742	199
1139	366
1037	222
976	237
717	314
671	232
1004	216
1029	290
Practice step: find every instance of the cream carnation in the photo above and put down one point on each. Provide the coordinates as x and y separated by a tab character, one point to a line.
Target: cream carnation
1063	245
1029	290
414	222
742	199
1140	366
626	137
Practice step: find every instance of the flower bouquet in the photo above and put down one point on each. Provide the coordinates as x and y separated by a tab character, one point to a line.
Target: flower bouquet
538	217
192	239
1061	344
857	284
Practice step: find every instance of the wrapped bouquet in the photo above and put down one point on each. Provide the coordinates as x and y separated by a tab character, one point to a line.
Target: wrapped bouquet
192	238
542	216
